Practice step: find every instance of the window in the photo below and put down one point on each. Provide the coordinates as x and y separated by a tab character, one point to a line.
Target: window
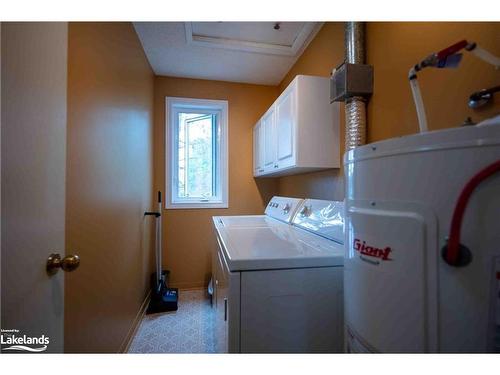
196	153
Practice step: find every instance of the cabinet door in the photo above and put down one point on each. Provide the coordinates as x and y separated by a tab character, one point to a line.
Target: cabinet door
285	128
258	165
268	140
221	307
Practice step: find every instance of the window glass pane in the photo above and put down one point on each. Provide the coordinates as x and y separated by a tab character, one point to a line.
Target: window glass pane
196	152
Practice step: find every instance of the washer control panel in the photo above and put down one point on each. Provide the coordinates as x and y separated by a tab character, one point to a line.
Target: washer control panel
283	208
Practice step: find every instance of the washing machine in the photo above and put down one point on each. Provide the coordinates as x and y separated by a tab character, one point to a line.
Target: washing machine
278	282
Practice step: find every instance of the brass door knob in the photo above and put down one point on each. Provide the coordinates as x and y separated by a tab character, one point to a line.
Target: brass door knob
68	263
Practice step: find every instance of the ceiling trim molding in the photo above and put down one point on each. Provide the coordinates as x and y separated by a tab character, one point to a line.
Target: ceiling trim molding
306	34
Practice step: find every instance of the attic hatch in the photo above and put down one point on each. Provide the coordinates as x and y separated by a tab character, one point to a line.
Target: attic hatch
257	37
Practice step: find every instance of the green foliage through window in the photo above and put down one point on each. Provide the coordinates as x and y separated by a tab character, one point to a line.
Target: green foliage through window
196	152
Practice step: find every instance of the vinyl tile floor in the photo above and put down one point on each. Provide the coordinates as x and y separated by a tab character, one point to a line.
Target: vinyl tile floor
187	330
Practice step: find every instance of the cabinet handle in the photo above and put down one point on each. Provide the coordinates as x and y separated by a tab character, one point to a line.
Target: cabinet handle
225	309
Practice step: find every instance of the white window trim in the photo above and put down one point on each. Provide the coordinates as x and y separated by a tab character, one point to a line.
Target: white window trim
188	103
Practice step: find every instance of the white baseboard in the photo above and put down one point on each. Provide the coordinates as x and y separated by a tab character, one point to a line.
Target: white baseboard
135	325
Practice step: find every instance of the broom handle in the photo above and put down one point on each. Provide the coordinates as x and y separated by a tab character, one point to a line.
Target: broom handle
159	244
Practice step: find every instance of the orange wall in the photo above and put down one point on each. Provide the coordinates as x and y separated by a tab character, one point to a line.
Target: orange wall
392	48
187	234
109	184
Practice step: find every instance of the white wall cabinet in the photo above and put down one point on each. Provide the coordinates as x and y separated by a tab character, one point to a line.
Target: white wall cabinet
264	150
268	139
285	129
300	131
258	166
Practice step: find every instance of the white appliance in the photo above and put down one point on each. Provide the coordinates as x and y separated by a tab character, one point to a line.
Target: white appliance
278	279
400	293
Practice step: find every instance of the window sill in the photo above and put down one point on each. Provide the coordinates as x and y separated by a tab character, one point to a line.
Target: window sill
195	205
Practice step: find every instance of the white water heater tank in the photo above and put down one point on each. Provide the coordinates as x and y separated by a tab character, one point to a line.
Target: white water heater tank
400	293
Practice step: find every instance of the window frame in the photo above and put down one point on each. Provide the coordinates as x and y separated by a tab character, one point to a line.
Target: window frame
174	105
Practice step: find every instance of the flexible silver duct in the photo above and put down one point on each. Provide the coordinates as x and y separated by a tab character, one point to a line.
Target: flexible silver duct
355	115
355	107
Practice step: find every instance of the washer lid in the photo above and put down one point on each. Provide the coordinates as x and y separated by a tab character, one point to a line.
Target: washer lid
325	218
278	208
243	221
277	246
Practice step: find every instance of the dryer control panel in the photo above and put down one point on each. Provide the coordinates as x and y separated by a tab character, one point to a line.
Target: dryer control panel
325	218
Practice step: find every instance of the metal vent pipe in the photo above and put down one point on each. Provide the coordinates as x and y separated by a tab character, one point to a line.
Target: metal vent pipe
355	106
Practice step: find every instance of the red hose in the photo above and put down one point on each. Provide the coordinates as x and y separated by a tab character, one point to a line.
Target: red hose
461	205
451	49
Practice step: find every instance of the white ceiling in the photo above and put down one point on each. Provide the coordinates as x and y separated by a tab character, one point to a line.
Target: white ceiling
251	52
